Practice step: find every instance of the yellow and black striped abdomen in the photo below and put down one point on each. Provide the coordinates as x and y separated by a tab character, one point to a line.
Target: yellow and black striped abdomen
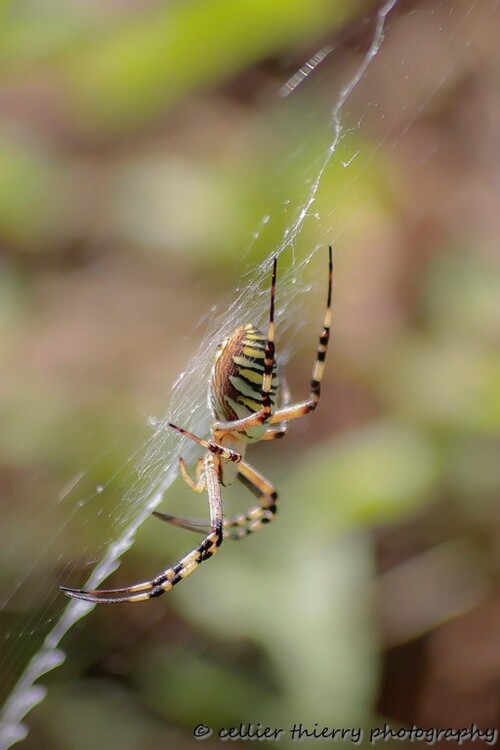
237	377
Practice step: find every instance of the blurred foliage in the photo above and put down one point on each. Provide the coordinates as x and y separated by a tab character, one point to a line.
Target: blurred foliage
141	146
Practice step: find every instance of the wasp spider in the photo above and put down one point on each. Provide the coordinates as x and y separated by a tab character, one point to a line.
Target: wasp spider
242	397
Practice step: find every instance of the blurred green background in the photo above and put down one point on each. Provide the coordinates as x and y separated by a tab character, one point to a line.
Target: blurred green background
141	147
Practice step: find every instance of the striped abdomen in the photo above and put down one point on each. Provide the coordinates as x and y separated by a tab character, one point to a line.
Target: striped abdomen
237	375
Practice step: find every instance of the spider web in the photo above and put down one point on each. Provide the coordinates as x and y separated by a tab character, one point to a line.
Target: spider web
33	647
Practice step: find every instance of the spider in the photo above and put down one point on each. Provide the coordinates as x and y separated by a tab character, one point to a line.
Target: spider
242	397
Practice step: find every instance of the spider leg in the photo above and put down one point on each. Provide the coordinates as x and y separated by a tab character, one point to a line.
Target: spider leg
294	411
274	433
167	580
264	414
240	525
208	444
193	524
200	525
197	485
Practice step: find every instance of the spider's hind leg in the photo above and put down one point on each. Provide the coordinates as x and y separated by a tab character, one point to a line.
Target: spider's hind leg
275	433
300	409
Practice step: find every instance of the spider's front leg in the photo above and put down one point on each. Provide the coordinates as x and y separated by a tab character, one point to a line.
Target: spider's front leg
210	445
176	573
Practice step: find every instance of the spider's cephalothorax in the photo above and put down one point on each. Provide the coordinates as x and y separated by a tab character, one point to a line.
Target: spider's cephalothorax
243	399
236	385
